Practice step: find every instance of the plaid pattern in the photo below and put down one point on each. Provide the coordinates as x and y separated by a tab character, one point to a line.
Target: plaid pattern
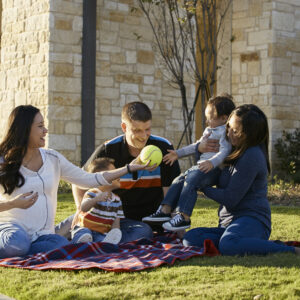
134	256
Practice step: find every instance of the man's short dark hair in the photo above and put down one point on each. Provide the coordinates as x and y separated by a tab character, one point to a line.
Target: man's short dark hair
100	164
136	111
223	104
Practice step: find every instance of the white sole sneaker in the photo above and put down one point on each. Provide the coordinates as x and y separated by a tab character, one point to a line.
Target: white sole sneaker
85	238
113	237
169	227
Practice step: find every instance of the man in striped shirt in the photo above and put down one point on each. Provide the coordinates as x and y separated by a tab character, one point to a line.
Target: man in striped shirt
141	192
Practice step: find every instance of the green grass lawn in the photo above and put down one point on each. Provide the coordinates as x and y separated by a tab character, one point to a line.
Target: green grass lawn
255	277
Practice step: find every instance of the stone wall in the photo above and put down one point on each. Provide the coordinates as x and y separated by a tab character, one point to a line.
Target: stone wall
127	70
265	60
24	56
65	78
285	54
41	65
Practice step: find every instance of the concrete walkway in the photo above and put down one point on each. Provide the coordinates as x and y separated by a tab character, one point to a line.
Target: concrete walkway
3	297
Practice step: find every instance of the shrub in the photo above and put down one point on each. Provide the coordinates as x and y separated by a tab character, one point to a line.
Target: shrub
288	152
64	187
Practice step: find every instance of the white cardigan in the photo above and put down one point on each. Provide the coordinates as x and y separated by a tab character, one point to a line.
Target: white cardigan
38	219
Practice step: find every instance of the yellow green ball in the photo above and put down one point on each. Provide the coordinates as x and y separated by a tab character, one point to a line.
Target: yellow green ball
151	153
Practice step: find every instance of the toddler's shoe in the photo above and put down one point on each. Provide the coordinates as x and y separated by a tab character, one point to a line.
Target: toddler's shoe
158	216
177	223
114	236
85	238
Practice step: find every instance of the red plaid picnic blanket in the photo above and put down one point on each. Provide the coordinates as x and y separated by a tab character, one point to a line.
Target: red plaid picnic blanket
134	256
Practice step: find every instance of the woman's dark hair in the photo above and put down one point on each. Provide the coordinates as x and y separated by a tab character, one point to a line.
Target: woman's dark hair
14	146
255	131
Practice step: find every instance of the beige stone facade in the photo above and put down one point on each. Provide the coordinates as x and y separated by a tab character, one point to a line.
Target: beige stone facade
265	60
41	57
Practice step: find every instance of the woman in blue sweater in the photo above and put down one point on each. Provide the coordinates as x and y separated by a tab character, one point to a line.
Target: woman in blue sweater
244	213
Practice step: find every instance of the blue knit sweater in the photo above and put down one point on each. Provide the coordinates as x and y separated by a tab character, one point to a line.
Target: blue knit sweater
242	189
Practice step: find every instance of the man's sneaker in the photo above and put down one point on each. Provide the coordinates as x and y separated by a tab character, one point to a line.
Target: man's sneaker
113	236
158	216
177	223
85	238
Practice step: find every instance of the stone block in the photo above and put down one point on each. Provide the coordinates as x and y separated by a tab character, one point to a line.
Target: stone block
147	89
77	23
65	99
65	84
282	65
103	68
296	69
108	121
145	69
20	97
63	70
283	21
102	56
240	5
122	68
239	46
103	106
61	57
148	80
296	80
286	78
130	78
236	66
110	49
105	81
71	113
115	16
129	88
110	5
132	20
246	57
243	23
260	37
145	57
66	7
255	8
264	89
281	90
130	57
65	37
123	7
108	93
105	134
254	68
108	37
73	127
62	142
63	23
117	58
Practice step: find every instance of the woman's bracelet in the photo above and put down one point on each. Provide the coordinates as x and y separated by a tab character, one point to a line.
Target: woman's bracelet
128	169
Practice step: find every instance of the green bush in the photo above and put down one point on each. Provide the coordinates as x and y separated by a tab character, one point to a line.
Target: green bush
64	187
288	152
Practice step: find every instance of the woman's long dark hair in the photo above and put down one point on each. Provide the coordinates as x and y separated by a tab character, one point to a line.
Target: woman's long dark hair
14	146
255	131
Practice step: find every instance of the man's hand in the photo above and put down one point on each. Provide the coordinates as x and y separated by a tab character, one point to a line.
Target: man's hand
24	201
170	157
205	166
